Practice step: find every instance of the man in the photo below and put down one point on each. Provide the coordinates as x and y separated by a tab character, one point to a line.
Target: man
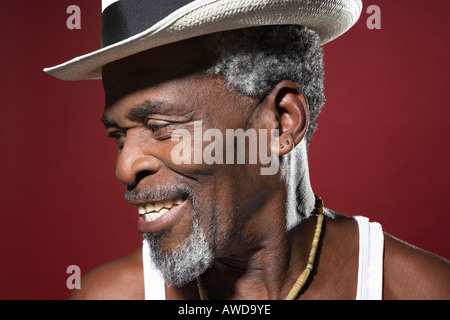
215	224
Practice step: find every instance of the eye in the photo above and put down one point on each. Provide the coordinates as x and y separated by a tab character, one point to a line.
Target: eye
118	136
158	127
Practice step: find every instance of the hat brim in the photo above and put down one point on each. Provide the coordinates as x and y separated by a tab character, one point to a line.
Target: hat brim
329	18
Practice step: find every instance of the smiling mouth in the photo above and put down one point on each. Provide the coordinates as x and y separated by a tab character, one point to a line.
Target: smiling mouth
155	210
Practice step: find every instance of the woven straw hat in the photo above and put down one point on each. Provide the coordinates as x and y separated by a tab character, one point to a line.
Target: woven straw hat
133	26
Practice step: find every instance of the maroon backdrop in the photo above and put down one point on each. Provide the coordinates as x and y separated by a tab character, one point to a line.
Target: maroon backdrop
381	149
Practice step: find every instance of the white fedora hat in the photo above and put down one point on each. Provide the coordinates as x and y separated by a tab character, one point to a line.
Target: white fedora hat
133	26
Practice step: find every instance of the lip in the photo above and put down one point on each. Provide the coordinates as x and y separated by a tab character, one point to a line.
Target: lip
162	222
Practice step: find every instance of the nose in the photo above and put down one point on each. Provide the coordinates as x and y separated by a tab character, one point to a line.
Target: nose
135	161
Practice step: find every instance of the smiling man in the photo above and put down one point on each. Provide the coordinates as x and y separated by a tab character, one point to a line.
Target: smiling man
222	229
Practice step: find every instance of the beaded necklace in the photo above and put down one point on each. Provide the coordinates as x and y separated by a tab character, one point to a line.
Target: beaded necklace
301	280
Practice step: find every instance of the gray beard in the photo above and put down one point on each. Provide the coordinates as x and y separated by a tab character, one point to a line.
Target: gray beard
186	262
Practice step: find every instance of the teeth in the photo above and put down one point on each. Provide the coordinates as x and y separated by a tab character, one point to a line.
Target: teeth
149	207
153	211
150	216
158	206
142	210
167	204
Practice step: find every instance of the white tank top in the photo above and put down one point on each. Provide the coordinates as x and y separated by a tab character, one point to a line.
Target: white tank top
370	265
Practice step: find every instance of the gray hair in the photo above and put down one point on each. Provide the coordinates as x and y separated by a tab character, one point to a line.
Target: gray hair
253	60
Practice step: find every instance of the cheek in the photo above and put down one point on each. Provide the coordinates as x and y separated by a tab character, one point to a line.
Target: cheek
218	211
222	200
194	152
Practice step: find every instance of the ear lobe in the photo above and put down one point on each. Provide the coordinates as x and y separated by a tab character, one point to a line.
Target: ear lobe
284	146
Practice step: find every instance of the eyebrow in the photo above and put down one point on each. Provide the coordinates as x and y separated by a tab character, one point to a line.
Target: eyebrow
147	108
108	123
141	111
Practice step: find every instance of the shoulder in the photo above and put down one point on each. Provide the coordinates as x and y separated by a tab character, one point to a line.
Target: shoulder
413	273
409	273
119	279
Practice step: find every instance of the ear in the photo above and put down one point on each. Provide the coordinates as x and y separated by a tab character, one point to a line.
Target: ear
291	111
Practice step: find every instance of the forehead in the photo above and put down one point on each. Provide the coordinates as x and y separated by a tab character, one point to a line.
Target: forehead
165	64
171	76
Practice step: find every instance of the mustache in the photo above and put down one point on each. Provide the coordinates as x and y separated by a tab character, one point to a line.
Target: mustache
158	194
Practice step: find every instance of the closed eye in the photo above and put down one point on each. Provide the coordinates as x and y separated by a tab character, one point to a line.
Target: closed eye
156	127
118	136
159	128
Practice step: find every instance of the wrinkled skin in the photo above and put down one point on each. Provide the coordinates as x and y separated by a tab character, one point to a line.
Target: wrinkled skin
241	211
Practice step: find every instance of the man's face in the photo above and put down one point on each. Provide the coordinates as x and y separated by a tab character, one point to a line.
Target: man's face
150	98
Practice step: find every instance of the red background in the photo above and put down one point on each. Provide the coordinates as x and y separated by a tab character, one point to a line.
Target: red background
381	149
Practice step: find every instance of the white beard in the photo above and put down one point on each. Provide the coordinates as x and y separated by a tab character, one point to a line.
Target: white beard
186	262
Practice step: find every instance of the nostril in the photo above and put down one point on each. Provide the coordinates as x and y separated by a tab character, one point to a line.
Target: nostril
141	175
133	165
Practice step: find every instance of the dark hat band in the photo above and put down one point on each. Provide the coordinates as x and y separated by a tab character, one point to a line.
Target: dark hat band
126	18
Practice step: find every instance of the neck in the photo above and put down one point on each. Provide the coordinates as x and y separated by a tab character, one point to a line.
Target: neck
266	272
267	268
267	265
